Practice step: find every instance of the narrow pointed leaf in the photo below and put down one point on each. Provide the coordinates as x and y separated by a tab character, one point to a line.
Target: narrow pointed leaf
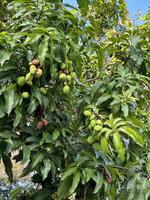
76	180
133	134
69	172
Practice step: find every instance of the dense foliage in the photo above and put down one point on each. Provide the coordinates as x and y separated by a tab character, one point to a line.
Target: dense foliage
74	98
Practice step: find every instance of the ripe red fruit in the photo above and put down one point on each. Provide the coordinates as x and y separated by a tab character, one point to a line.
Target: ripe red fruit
44	122
109	180
35	62
39	125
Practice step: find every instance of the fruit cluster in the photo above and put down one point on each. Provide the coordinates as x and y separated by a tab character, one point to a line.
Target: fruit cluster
41	124
34	71
66	74
95	125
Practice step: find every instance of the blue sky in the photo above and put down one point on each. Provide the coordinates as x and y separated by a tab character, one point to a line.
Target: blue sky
133	6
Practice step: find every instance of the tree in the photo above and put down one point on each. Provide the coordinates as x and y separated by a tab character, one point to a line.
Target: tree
74	102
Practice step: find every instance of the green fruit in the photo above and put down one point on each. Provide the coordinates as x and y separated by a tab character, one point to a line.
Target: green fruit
32	69
99	122
63	66
73	74
29	83
97	128
68	77
91	139
66	89
93	123
39	73
21	80
29	77
43	90
25	95
71	69
87	113
62	76
70	63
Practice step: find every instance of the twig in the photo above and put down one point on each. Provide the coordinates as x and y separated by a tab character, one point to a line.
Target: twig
118	167
90	80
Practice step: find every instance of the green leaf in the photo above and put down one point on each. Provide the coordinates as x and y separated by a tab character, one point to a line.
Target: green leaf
148	164
69	172
37	159
143	192
100	55
135	121
102	99
88	174
119	146
33	105
133	134
8	134
15	193
8	166
99	182
63	189
46	168
76	180
43	48
125	109
37	94
104	145
32	38
56	134
4	56
26	154
2	107
18	117
83	5
9	99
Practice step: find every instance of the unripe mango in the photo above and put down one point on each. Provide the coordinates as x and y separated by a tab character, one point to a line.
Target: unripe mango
97	128
25	95
29	77
43	90
93	123
30	83
62	76
73	74
63	66
68	77
71	69
87	113
21	80
66	89
70	63
91	139
99	122
32	69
